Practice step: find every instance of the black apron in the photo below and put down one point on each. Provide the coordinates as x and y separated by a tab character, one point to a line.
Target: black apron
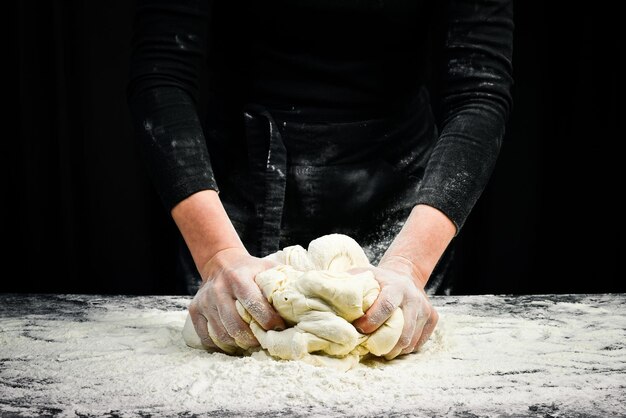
287	179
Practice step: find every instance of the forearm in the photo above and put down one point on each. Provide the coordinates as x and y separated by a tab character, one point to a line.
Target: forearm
205	226
475	98
420	243
168	55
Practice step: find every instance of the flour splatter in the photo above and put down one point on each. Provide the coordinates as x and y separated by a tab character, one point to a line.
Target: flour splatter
490	356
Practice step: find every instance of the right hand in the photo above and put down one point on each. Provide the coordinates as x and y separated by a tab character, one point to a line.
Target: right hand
401	287
229	276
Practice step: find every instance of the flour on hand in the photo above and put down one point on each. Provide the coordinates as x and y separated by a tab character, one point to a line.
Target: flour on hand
318	299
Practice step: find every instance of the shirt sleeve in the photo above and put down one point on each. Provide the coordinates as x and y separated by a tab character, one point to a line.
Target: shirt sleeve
475	98
168	50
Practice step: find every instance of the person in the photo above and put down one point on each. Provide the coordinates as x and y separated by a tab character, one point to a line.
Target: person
269	124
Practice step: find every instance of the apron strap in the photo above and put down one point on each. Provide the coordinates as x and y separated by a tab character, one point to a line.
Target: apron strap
267	158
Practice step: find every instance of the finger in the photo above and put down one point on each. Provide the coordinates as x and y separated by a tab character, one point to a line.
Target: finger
387	301
200	325
251	297
423	331
220	336
235	326
416	336
409	312
430	326
411	347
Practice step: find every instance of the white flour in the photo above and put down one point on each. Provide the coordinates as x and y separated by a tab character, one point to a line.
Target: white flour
570	357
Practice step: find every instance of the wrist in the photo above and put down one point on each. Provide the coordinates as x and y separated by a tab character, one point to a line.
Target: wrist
220	259
205	226
420	243
404	266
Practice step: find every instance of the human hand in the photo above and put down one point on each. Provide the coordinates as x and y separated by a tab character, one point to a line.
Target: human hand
229	276
401	286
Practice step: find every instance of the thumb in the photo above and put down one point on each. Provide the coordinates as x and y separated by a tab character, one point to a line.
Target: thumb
386	303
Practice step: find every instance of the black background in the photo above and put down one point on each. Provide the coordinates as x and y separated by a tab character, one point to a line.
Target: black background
79	214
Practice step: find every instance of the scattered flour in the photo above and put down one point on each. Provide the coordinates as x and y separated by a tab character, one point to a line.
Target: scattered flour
489	356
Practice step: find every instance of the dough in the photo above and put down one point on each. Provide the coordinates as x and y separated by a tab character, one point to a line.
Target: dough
311	290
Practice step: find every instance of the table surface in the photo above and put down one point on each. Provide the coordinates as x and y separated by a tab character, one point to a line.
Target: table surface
549	355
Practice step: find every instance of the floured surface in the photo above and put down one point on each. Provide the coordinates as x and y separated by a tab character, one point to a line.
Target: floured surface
491	356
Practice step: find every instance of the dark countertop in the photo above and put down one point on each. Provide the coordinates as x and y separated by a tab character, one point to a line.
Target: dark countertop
548	355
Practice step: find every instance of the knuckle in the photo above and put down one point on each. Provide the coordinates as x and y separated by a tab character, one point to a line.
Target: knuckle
393	354
244	288
258	309
194	309
231	274
405	340
230	325
434	317
252	341
424	312
408	283
406	350
386	306
412	293
218	286
238	286
222	336
214	310
208	308
234	328
231	268
207	341
246	338
251	303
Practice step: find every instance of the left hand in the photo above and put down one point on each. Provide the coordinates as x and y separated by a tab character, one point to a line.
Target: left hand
400	286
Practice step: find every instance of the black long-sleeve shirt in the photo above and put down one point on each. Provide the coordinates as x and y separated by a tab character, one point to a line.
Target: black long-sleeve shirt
330	59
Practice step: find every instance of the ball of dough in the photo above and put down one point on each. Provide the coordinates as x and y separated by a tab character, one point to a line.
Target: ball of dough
319	300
